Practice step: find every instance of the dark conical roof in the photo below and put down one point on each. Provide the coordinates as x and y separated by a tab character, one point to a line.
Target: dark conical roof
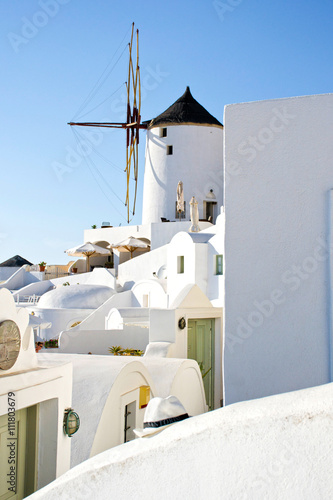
16	261
186	110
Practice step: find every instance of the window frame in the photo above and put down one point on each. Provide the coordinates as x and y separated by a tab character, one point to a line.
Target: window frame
219	265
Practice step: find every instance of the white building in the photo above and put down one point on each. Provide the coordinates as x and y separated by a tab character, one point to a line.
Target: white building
278	246
33	399
184	143
273	448
278	320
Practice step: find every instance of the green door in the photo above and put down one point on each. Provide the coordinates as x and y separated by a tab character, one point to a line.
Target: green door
200	346
18	454
12	457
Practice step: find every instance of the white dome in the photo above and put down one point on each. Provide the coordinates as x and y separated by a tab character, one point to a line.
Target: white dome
76	297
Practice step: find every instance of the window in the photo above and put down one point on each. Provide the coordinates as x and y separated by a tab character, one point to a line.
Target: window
180	264
169	150
182	214
163	132
209	209
219	264
129	421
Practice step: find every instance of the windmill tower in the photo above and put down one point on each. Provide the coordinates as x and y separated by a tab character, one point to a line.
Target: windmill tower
185	143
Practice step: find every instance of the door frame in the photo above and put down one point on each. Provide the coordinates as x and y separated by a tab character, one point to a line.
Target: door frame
213	355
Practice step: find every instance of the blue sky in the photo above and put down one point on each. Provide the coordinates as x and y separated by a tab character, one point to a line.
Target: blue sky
53	53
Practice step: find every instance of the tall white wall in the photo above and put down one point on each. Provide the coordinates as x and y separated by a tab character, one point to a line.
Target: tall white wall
196	161
278	170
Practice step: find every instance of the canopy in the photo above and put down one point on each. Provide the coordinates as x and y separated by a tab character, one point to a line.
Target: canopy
87	250
130	245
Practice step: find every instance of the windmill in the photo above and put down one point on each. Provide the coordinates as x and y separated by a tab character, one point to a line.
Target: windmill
133	121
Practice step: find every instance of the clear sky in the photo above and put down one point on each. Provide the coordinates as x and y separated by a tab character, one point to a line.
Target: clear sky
53	53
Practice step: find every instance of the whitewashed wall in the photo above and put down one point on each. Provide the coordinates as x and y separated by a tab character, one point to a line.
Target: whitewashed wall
233	453
99	341
278	171
196	161
19	278
154	290
7	272
61	319
194	248
142	267
47	386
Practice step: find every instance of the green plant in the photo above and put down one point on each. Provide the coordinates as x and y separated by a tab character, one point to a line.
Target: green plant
42	263
93	226
51	343
66	283
117	350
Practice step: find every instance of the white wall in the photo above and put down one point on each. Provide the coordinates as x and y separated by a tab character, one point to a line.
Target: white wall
152	289
215	284
162	233
96	319
61	319
99	341
7	272
49	388
194	248
196	161
278	170
18	279
142	266
233	453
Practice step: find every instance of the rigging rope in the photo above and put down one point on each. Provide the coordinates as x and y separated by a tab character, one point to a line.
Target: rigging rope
91	169
99	83
100	104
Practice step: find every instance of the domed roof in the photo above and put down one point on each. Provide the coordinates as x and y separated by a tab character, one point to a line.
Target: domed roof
76	297
185	111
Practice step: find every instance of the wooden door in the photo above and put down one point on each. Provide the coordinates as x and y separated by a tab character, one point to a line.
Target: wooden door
200	346
18	454
12	457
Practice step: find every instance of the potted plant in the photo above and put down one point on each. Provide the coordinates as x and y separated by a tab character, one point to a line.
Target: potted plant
94	226
74	269
42	266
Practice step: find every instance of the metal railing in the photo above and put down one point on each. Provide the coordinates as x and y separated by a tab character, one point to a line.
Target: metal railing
27	299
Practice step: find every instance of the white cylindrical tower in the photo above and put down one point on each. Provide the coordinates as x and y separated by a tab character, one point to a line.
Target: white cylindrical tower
185	143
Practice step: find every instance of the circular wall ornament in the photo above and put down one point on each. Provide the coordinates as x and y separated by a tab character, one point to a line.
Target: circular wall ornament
10	343
182	323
